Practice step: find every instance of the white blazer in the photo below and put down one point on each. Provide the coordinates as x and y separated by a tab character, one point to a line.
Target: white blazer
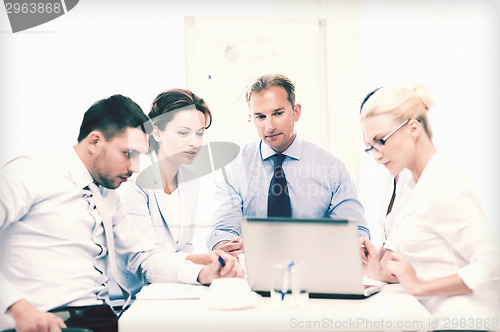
143	198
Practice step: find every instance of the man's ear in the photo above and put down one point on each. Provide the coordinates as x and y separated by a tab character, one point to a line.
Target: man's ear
296	112
95	139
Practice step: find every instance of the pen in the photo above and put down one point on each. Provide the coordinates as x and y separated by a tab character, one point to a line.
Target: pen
221	261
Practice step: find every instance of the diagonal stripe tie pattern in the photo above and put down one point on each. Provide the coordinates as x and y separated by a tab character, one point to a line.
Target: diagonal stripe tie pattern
108	231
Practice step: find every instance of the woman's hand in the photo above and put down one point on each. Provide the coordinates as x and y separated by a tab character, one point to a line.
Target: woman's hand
374	262
370	258
203	259
230	268
443	286
401	267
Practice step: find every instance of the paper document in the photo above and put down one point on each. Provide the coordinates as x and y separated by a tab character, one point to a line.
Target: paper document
171	291
371	282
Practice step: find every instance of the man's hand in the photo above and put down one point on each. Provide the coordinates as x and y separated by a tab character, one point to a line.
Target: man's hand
214	270
204	258
28	318
234	247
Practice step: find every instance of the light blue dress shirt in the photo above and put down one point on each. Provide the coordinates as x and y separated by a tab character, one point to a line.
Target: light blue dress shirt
318	182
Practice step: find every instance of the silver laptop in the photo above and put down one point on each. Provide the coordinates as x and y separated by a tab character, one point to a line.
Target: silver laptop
327	249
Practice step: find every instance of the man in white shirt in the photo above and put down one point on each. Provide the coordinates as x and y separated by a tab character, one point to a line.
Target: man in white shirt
53	246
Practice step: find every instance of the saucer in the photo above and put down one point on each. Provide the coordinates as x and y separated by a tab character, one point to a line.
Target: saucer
248	300
229	294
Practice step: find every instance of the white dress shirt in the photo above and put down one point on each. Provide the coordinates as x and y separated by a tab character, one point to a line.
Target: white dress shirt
172	206
52	246
404	187
441	228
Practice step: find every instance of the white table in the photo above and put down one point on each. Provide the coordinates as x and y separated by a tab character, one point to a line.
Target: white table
391	309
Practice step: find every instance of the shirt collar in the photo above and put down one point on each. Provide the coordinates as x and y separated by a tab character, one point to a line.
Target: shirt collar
77	169
293	151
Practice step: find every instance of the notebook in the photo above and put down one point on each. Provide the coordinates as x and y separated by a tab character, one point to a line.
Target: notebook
328	251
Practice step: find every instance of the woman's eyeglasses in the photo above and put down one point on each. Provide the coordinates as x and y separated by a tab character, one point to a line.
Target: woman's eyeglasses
379	144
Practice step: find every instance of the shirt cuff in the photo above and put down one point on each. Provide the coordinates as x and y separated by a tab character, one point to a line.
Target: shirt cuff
170	267
188	272
218	236
363	232
472	276
182	254
9	295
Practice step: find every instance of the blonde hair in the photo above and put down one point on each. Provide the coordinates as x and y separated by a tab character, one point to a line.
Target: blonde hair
401	103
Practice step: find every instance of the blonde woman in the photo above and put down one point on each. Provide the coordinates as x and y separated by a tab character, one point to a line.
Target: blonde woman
440	248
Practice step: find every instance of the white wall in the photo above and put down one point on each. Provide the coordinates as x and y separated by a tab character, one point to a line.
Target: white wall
450	47
51	74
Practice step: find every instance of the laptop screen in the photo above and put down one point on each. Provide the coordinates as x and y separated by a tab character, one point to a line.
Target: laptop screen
327	250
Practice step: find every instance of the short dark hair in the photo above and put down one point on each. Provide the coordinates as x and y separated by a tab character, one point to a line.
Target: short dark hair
168	103
112	116
266	81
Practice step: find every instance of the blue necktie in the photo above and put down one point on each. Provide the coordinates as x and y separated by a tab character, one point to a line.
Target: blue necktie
278	200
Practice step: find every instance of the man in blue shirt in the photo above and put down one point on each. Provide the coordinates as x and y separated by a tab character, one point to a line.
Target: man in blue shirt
317	183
